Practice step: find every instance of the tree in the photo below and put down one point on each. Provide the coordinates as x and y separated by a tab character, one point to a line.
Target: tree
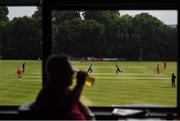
38	17
3	13
61	16
117	37
3	21
91	38
101	16
168	49
148	28
78	37
22	39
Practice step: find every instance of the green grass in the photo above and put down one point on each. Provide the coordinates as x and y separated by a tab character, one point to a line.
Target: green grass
14	91
137	84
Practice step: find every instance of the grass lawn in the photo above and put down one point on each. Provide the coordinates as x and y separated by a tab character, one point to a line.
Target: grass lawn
137	84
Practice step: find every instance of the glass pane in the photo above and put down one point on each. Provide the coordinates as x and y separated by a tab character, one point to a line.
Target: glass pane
124	49
20	55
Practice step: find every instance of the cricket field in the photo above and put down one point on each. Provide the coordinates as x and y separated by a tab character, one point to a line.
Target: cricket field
137	84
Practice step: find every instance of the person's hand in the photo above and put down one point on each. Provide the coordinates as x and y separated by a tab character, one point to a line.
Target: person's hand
81	77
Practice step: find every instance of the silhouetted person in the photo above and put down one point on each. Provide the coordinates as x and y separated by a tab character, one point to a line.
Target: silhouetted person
90	69
56	99
157	69
23	66
164	65
118	69
173	79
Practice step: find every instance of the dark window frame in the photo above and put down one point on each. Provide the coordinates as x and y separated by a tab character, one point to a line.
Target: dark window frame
50	5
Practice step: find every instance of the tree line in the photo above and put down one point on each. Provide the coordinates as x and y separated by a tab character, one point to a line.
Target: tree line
97	33
20	38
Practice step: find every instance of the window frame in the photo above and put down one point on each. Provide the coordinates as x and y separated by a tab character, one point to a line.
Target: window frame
49	5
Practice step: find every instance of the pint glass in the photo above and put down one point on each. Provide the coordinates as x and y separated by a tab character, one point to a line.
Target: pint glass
89	80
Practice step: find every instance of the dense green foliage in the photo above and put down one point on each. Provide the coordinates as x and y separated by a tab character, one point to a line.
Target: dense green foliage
21	39
3	13
137	84
100	33
3	20
107	34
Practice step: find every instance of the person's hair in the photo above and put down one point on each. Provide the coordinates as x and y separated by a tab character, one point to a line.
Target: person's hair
58	66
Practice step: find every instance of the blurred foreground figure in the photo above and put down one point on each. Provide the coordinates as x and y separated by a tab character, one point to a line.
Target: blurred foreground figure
56	99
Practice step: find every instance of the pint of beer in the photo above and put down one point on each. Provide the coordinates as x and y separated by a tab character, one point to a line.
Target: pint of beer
89	80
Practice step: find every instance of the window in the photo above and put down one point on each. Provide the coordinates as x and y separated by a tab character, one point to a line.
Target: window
50	33
136	44
21	54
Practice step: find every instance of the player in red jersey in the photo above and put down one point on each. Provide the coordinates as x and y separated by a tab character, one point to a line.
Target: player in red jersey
19	73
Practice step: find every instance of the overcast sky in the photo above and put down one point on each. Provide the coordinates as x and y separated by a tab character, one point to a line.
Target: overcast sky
20	11
167	16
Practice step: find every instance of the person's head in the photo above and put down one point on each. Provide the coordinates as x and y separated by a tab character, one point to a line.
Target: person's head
59	70
172	73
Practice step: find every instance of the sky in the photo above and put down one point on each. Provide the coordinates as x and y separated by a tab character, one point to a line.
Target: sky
167	16
20	11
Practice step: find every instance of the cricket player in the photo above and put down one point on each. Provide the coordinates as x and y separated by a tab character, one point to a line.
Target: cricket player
158	69
164	65
23	66
90	69
19	73
118	69
173	79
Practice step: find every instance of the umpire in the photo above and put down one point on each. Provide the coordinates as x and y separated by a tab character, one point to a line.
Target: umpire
173	79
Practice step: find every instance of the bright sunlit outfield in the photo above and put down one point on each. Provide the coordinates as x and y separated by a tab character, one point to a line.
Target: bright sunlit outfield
137	84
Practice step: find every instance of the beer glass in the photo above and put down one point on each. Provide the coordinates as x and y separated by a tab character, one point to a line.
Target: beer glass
89	80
